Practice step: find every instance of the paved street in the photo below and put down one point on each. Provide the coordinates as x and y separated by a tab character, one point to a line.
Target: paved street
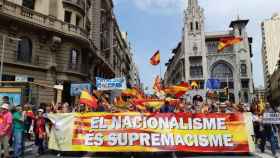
31	153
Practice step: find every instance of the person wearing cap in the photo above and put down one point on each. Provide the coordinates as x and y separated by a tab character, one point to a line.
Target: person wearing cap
40	131
5	128
18	129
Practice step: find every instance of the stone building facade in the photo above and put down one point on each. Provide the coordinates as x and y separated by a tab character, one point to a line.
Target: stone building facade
53	42
196	58
270	49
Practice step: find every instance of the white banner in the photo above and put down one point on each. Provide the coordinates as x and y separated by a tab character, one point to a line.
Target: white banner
110	84
271	118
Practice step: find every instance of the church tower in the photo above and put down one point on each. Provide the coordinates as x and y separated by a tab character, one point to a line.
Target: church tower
194	45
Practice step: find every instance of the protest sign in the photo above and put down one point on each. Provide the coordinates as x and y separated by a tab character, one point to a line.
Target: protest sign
271	118
152	132
110	84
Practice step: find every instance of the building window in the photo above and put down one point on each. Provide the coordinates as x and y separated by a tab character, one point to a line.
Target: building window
221	71
28	4
243	69
195	49
196	25
246	97
78	20
191	26
24	50
245	84
67	16
74	59
196	71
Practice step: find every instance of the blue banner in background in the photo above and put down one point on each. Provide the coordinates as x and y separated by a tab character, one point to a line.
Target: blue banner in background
110	84
14	98
76	89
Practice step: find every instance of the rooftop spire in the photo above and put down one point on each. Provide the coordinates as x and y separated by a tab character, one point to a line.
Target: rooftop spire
193	3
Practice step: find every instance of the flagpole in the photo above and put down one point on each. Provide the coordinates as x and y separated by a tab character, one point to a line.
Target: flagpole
228	87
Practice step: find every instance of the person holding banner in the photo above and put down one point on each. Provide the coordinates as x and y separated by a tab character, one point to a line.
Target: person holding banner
268	133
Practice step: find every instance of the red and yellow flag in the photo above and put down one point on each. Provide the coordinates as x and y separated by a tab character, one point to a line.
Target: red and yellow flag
227	42
178	90
155	59
133	92
88	100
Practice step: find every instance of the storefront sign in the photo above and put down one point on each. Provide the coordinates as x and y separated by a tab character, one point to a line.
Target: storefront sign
110	84
152	132
21	78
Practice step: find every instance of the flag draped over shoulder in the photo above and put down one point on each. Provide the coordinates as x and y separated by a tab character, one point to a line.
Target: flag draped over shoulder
155	59
227	42
88	100
178	90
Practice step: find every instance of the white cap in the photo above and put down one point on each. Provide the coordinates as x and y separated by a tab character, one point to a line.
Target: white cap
5	106
40	110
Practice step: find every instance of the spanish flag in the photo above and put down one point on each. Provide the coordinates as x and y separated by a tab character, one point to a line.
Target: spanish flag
88	100
227	42
155	59
178	90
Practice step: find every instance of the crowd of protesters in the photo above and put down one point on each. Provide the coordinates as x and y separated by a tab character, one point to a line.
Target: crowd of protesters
19	124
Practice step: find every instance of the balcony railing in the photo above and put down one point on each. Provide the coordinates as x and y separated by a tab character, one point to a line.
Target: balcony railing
20	12
77	3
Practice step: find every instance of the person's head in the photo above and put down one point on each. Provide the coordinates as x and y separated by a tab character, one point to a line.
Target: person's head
65	108
82	108
19	108
40	112
5	107
131	107
223	107
49	108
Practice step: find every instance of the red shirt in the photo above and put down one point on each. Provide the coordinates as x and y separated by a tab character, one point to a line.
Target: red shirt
40	126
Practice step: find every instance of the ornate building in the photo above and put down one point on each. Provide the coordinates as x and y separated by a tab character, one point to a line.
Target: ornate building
196	57
52	42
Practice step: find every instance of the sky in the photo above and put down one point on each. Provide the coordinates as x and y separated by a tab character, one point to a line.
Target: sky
157	25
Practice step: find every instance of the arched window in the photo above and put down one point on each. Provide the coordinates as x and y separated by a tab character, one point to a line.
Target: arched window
28	4
196	25
221	71
24	50
191	26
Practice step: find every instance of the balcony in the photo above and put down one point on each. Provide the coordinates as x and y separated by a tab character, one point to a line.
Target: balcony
80	4
26	15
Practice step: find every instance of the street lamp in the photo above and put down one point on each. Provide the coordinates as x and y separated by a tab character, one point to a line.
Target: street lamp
3	53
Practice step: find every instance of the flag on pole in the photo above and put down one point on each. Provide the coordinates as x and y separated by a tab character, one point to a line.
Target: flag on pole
227	42
88	100
155	59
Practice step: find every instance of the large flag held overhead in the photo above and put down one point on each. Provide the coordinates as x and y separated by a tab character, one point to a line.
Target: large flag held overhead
133	92
88	100
155	59
227	42
178	90
213	84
